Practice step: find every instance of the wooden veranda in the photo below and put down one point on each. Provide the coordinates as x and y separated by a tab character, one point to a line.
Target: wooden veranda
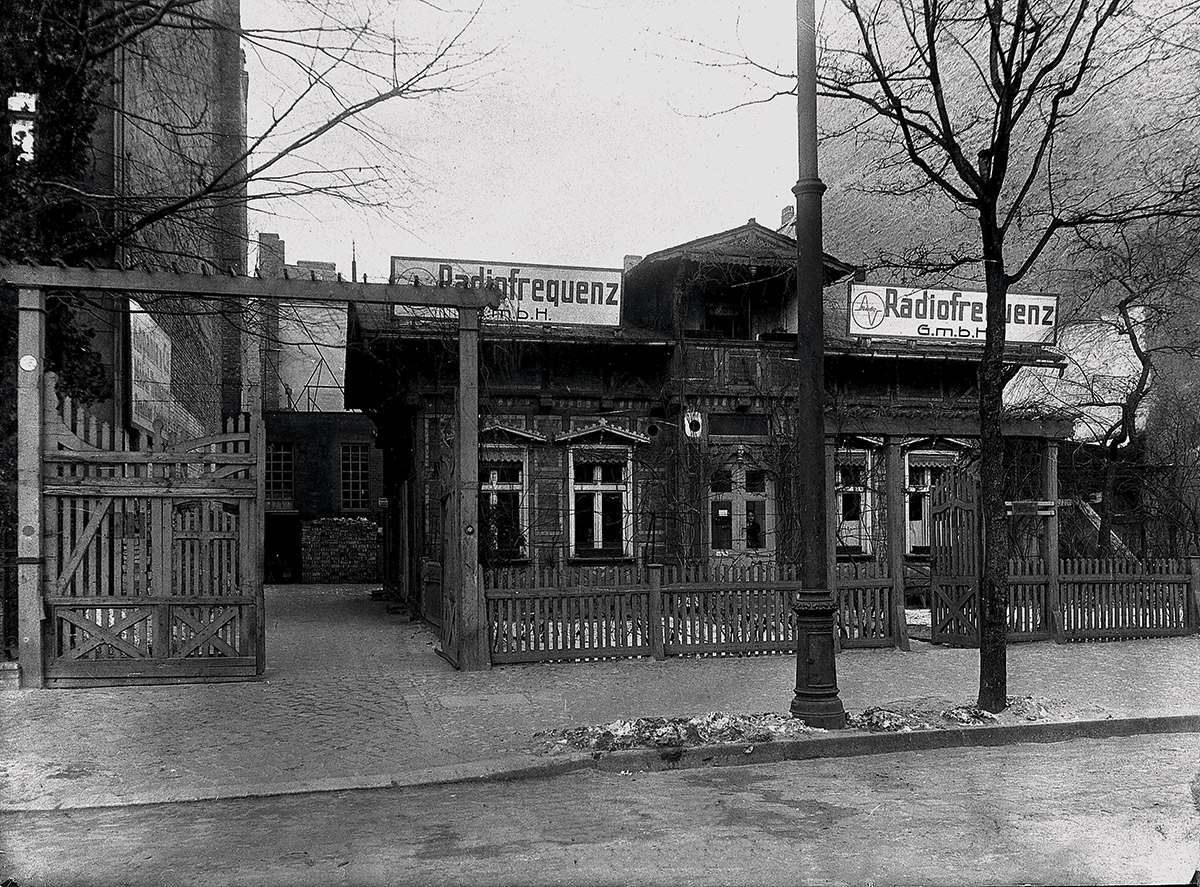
147	566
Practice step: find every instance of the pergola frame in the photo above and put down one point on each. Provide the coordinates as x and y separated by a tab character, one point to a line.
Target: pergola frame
469	637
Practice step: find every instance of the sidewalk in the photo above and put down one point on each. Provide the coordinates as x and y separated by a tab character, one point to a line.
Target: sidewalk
354	697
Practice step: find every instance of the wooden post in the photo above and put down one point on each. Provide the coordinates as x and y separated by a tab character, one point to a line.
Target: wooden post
655	612
831	525
1193	595
1054	609
474	648
897	536
31	327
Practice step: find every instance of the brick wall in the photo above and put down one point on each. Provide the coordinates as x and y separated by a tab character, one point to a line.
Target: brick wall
340	549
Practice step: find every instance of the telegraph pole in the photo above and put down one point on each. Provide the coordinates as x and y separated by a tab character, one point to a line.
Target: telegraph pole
816	699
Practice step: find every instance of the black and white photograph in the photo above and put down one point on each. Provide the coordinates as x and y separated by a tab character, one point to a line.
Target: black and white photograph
599	442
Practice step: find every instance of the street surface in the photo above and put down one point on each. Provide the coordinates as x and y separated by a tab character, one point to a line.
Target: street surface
1083	812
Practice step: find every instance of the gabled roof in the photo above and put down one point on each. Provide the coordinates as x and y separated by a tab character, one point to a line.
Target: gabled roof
748	244
500	430
600	429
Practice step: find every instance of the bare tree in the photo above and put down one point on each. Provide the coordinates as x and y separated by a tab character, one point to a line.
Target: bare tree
1027	120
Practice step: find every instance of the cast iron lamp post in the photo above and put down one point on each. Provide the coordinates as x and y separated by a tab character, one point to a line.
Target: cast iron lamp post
816	700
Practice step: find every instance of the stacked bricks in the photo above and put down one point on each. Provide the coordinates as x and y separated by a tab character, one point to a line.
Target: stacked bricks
340	549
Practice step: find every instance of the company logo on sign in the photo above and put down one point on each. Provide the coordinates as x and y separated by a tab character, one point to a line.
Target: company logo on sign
567	294
957	315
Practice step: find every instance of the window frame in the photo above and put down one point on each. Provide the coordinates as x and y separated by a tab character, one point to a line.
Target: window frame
855	457
343	448
624	456
520	457
737	497
285	482
922	459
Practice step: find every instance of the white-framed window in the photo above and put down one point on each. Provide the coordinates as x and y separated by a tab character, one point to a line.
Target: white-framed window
854	501
741	511
503	505
924	470
601	502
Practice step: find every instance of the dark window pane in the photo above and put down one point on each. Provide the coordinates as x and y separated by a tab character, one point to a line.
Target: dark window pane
851	475
851	506
936	473
585	472
585	533
916	506
611	522
612	472
755	511
722	481
756	481
722	525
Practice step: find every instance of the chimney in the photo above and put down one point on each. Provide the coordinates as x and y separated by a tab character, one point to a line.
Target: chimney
271	256
630	261
788	216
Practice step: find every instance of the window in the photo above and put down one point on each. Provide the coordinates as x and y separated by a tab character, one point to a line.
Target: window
502	502
741	511
356	486
280	477
601	503
853	501
925	470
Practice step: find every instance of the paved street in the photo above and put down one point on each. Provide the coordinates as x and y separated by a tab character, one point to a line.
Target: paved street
355	697
1085	812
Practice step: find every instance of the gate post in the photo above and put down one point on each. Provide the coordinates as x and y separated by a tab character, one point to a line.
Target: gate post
1192	616
1054	609
655	612
31	327
474	645
896	536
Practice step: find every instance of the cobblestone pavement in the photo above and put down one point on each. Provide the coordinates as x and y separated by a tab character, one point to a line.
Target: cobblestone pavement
354	696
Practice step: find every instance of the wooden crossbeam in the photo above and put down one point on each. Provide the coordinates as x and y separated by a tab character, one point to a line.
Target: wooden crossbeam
206	632
237	286
82	543
101	635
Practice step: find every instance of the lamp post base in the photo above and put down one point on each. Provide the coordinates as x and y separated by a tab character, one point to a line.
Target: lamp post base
816	701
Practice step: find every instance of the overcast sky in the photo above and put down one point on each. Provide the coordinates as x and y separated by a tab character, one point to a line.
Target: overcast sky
589	137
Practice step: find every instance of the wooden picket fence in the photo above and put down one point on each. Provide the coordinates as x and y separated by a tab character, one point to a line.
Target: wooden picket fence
1090	600
539	614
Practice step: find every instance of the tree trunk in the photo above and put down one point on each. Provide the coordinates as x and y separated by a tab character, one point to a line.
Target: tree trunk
993	586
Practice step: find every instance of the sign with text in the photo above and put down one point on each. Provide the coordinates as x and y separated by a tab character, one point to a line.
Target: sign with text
567	294
896	312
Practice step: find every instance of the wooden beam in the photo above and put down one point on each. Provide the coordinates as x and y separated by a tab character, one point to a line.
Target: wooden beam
474	646
897	535
31	324
199	286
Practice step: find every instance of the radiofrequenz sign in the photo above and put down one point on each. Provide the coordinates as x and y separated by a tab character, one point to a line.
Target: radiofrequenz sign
900	313
532	293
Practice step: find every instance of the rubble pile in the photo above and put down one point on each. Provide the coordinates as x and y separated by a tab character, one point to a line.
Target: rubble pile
707	729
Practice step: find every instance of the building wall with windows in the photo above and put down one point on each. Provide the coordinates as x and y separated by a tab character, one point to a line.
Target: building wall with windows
668	439
324	483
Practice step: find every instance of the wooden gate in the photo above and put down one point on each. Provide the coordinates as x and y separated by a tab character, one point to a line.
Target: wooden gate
955	555
153	557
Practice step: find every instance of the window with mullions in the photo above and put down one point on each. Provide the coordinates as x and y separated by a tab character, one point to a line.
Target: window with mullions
853	502
356	484
601	504
925	470
280	476
501	510
741	513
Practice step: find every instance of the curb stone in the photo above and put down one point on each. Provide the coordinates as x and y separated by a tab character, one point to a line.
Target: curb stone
532	766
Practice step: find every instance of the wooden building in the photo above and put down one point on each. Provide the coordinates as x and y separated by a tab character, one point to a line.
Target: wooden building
666	439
